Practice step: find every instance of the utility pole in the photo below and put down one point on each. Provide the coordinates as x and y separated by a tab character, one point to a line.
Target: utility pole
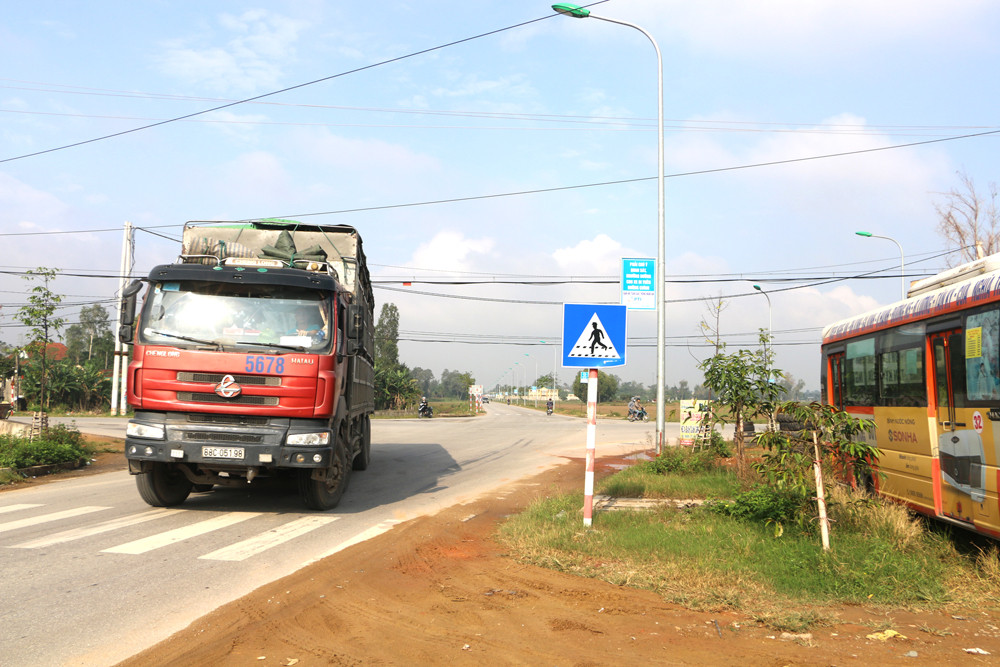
118	378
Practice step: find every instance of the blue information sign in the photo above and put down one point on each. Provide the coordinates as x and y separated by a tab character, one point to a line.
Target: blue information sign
593	335
639	283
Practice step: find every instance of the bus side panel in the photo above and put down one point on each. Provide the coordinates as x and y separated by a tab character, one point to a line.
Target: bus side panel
909	456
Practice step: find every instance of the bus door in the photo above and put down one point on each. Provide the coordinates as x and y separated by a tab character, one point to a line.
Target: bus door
961	481
836	375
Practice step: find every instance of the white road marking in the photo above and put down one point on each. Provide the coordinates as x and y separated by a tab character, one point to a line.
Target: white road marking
272	538
374	531
15	508
180	534
45	518
88	531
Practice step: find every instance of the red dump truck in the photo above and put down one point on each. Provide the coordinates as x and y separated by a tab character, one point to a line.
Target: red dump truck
253	357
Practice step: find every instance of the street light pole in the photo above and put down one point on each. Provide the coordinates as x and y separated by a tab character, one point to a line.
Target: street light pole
902	272
578	12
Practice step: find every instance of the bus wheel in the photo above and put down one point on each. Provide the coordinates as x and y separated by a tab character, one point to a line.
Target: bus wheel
869	485
164	485
364	457
324	494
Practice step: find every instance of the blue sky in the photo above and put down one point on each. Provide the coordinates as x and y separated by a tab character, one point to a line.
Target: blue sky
543	109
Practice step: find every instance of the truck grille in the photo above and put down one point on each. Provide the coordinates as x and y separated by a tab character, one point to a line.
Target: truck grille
216	378
216	436
242	399
238	420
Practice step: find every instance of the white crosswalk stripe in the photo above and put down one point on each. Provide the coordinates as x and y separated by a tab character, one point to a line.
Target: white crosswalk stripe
15	508
98	529
47	518
176	535
272	538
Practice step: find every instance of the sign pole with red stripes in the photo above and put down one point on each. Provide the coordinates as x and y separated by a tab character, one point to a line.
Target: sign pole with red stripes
588	483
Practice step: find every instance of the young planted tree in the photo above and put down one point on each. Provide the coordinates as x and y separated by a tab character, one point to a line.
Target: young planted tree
39	316
830	440
741	383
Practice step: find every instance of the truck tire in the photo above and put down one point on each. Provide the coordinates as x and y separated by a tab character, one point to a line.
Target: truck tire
364	457
325	494
163	486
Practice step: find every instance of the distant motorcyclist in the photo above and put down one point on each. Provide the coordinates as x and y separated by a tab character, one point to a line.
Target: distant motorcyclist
424	409
631	406
549	407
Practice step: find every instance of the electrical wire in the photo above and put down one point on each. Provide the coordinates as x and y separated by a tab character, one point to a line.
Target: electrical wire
282	90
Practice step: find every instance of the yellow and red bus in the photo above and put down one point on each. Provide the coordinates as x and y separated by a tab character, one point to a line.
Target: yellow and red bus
927	371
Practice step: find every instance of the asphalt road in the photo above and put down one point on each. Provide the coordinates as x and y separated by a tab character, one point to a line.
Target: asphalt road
89	574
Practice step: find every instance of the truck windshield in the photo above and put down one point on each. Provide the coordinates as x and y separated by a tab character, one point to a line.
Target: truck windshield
202	314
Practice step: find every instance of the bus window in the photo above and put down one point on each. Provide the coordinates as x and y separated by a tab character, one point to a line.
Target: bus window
901	368
956	345
945	410
859	373
982	380
949	375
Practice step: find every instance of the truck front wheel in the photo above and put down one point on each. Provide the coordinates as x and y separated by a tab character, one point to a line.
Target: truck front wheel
324	494
163	486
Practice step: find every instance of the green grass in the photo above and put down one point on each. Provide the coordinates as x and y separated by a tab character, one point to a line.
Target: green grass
636	482
705	559
441	409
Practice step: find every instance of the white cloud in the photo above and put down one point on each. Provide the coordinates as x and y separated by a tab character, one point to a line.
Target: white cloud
28	207
452	251
818	29
356	155
252	59
601	255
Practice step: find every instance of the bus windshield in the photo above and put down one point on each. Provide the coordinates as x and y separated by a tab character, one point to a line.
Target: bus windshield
196	314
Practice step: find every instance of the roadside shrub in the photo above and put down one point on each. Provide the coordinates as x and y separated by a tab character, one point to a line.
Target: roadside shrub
60	444
765	504
720	446
680	460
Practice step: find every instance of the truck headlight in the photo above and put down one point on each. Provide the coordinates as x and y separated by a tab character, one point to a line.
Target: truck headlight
140	430
314	439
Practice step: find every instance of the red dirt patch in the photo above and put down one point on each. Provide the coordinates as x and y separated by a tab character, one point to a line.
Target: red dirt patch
439	590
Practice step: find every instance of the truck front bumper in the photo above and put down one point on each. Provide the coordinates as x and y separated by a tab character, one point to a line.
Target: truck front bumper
214	443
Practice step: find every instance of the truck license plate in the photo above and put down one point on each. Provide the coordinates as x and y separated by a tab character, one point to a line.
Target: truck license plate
222	452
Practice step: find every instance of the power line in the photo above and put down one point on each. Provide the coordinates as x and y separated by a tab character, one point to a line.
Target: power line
278	92
700	172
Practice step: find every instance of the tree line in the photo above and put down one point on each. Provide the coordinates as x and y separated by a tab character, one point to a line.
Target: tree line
71	375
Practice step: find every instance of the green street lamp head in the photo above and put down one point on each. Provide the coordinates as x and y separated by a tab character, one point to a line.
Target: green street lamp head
865	234
757	287
575	11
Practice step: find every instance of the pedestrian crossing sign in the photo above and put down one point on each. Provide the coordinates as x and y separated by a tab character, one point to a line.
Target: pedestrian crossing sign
593	335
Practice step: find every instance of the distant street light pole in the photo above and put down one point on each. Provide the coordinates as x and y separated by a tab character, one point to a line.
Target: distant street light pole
555	363
770	333
536	376
902	272
578	12
768	349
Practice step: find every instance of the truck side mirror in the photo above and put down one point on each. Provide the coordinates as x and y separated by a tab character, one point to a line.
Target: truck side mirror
128	311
